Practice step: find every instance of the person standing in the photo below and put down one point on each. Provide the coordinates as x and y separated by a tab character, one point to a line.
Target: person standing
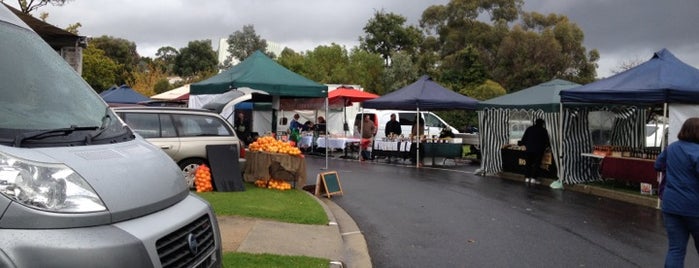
393	127
535	141
368	131
319	127
242	128
680	201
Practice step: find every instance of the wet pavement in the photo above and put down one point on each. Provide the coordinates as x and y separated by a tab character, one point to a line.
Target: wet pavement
450	217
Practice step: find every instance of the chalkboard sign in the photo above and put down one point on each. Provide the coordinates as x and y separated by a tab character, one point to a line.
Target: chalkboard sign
328	184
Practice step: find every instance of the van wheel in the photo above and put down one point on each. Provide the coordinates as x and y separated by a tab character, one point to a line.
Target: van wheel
189	168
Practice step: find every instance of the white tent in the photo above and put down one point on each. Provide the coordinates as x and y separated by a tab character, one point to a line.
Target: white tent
180	93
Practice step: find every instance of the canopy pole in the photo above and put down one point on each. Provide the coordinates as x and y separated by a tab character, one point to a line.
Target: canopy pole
663	140
326	134
558	184
419	131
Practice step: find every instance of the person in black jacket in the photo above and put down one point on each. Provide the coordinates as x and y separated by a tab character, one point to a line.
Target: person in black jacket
536	140
392	126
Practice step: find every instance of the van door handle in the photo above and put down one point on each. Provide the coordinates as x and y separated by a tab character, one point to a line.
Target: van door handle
165	147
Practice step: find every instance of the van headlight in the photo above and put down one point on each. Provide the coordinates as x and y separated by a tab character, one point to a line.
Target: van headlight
49	187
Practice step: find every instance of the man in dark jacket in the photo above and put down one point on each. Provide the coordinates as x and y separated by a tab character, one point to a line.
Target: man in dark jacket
393	127
536	140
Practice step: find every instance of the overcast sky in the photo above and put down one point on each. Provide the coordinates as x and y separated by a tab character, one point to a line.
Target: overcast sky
622	30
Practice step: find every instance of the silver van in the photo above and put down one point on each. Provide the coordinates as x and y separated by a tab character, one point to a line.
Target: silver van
77	187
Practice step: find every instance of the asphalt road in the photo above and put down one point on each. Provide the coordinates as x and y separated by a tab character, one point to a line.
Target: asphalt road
452	218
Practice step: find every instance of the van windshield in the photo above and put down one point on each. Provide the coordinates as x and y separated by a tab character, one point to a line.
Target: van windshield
40	91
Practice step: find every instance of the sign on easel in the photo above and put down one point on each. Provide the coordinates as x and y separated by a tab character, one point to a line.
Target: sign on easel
328	184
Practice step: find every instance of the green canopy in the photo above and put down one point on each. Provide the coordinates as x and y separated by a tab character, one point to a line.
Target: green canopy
543	96
260	72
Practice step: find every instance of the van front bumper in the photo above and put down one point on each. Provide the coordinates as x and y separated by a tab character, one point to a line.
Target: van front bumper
160	239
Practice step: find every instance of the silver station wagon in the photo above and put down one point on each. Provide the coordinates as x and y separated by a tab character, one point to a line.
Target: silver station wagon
183	134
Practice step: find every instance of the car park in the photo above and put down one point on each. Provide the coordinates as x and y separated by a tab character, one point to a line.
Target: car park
77	187
183	133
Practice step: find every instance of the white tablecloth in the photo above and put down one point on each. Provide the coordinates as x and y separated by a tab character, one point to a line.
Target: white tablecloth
392	146
335	143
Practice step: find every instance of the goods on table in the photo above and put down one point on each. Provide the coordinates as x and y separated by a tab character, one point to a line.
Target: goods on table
272	145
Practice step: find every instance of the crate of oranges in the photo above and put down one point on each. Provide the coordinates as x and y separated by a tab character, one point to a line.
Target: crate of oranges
271	145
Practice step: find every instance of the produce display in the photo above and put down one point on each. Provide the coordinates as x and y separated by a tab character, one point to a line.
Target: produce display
273	184
202	179
271	145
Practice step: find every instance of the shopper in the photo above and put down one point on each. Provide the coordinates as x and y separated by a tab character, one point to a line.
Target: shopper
368	132
536	140
680	201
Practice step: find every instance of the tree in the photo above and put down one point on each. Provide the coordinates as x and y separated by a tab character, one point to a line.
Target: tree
293	61
386	34
327	64
242	44
401	73
535	49
99	71
146	77
366	69
28	6
165	57
196	61
121	51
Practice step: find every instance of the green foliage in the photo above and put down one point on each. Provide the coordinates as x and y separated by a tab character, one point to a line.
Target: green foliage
327	64
161	86
535	49
488	90
292	60
242	44
294	206
98	70
366	69
386	34
196	61
121	51
249	260
400	73
165	58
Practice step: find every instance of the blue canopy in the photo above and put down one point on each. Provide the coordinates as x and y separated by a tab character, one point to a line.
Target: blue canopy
662	79
123	95
424	94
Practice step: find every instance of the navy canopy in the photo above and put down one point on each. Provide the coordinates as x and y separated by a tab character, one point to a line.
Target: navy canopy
662	79
424	94
122	95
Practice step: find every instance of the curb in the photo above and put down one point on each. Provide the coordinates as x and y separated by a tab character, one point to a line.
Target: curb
648	201
356	252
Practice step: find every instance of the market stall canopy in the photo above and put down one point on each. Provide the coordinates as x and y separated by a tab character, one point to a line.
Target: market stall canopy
349	95
544	96
260	72
180	93
662	79
122	95
424	94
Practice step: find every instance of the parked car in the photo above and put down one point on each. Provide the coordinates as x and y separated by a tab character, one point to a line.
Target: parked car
77	187
183	134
